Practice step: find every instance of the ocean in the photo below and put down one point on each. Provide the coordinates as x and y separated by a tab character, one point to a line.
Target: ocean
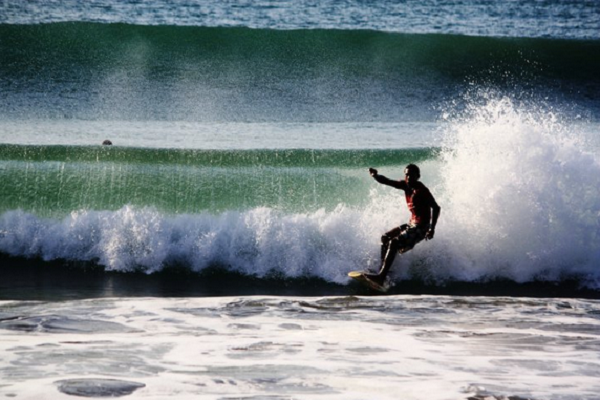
204	254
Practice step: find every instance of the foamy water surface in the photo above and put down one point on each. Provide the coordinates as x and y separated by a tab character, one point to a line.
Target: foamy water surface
331	348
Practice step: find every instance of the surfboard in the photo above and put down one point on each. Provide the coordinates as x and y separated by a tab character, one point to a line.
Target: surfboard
362	278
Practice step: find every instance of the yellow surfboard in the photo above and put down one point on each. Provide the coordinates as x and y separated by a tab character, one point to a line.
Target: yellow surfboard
362	278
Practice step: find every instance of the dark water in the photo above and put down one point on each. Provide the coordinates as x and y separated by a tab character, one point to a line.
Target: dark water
31	279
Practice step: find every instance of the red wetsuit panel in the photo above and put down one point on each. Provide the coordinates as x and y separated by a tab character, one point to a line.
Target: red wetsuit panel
419	202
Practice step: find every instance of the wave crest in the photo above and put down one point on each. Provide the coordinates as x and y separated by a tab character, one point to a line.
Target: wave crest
257	242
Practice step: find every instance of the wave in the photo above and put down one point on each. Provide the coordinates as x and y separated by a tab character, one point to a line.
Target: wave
517	185
521	187
301	158
255	242
560	18
54	180
119	71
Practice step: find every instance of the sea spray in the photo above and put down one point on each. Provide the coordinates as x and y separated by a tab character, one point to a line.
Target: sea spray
520	196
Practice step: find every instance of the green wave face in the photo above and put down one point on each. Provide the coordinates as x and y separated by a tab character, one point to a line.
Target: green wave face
55	180
162	50
119	71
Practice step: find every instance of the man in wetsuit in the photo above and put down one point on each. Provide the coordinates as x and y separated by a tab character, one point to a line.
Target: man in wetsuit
424	212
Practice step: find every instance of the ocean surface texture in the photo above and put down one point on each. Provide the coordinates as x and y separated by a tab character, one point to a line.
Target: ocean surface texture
204	254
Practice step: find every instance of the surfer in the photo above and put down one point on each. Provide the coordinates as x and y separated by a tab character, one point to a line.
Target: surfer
424	212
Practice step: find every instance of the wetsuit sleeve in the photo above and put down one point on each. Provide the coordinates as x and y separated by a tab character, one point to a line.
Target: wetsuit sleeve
428	199
431	200
435	213
385	181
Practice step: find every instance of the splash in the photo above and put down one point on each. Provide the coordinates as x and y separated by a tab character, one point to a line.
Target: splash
522	196
258	242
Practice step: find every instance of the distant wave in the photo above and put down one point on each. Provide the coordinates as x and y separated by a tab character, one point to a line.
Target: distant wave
119	71
525	18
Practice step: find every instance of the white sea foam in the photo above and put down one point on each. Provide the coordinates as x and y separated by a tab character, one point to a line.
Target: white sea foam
281	347
521	196
257	242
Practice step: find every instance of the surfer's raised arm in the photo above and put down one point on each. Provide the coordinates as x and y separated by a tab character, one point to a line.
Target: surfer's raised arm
386	181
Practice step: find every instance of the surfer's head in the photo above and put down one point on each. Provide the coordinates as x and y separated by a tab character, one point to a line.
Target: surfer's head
412	173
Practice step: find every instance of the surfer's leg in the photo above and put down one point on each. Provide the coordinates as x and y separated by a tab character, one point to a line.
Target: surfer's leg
396	242
385	241
390	256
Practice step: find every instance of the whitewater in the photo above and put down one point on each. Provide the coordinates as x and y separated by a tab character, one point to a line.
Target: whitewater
412	347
